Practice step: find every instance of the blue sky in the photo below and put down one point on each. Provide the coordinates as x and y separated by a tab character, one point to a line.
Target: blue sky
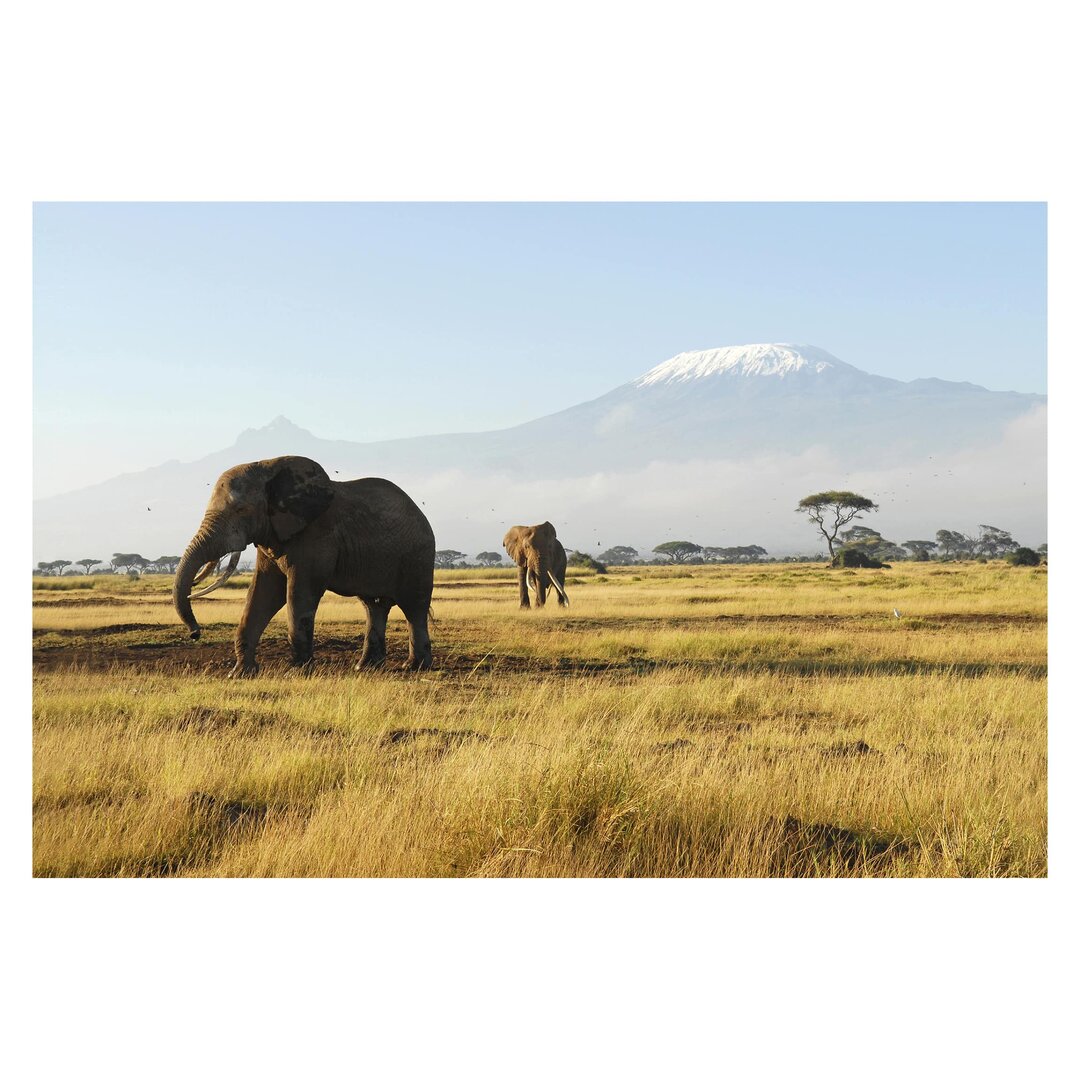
163	330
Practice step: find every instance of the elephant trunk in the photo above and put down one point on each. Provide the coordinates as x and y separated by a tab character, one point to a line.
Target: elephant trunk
542	570
207	546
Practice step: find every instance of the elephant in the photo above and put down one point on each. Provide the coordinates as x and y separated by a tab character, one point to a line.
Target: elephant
364	538
540	558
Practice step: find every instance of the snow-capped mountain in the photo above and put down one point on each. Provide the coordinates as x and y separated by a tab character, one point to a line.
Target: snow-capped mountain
685	442
741	361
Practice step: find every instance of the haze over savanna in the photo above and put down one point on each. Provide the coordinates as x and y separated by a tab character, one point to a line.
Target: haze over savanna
596	359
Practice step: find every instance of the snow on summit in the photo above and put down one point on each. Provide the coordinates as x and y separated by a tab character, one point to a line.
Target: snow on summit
740	360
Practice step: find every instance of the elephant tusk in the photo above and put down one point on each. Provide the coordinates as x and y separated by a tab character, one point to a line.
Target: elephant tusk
559	589
234	558
206	571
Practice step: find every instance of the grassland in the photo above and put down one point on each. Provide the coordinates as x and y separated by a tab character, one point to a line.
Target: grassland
700	721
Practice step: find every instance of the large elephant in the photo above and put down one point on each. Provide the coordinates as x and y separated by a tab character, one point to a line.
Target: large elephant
363	538
540	558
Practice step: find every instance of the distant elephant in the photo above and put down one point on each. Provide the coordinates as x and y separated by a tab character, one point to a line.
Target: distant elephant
363	538
540	558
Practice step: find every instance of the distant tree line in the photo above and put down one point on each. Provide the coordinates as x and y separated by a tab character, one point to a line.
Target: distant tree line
682	551
830	511
120	563
990	543
848	546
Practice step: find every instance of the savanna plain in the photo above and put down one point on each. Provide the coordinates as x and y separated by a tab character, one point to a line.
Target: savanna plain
703	721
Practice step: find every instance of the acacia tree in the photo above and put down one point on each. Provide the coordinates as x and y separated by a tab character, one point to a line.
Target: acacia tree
489	558
954	544
994	543
741	553
830	511
86	564
870	542
121	561
619	555
447	558
921	550
678	551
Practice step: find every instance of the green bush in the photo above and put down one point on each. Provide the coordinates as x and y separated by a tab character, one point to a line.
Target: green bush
585	562
852	558
1022	557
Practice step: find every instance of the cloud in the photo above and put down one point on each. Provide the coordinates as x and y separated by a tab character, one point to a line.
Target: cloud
727	502
618	419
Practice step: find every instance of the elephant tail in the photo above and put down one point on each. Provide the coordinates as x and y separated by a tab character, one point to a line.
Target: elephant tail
431	617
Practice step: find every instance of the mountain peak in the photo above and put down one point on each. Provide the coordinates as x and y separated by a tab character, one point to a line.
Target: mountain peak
741	360
278	428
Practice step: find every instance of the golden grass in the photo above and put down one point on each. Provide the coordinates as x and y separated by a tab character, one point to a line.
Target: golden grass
703	721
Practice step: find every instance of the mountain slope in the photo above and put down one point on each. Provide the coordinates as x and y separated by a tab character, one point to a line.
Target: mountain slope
733	406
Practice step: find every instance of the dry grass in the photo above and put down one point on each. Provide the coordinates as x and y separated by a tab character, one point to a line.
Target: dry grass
752	721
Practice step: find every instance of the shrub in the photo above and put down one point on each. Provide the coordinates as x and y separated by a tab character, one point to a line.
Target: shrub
585	562
852	558
1022	557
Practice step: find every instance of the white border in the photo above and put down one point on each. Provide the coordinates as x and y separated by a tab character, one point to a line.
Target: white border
829	101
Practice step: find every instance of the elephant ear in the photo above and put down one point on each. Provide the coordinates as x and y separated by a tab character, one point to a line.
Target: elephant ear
512	541
297	493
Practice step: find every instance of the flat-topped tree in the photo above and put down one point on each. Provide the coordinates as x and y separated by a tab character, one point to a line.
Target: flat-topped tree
994	543
830	511
678	550
954	544
619	555
489	558
448	558
125	561
921	550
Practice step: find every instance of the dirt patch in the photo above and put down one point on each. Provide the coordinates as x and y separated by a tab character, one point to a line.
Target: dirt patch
490	583
87	601
338	657
102	631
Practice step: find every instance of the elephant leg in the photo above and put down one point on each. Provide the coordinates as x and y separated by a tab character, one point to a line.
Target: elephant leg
419	639
523	586
303	599
374	652
265	598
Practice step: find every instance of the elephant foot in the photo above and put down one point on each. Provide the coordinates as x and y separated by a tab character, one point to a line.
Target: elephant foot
370	663
419	663
244	671
302	667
